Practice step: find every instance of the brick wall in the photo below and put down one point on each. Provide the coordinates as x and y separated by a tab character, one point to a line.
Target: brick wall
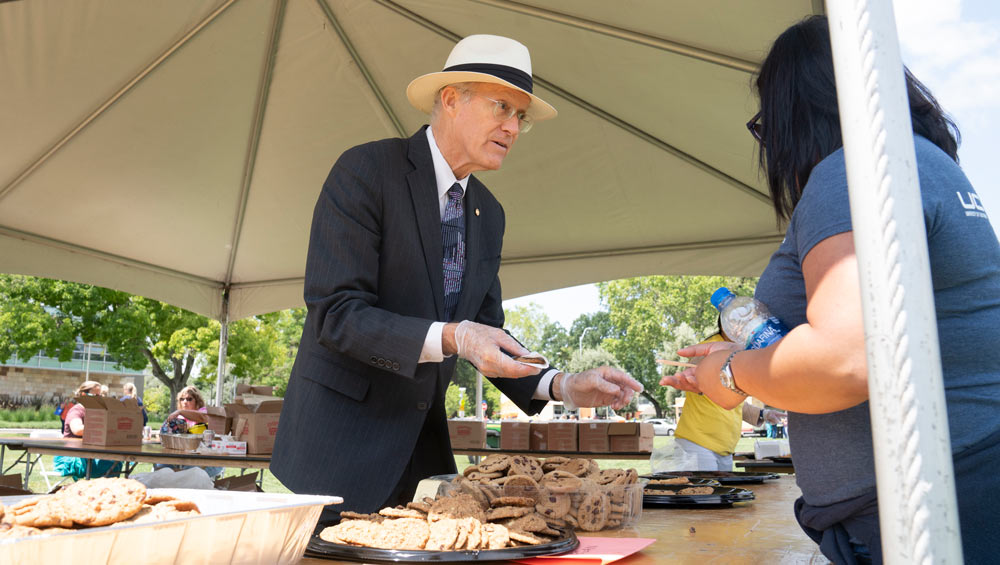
35	381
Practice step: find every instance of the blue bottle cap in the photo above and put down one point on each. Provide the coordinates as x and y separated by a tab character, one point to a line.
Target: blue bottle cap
720	296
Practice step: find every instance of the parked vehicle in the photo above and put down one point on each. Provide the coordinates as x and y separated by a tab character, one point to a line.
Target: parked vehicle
662	427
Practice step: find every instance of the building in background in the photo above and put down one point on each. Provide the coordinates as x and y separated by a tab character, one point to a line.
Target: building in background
51	380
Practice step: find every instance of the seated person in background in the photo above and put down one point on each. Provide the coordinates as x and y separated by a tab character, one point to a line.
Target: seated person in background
129	390
73	427
191	410
707	433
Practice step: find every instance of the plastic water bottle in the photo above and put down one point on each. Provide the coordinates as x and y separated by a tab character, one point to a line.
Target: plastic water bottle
746	320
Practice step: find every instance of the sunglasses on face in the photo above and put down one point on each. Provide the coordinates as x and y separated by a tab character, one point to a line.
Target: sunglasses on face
756	128
186	399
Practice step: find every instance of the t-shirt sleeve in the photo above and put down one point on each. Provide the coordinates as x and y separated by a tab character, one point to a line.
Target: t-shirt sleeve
824	210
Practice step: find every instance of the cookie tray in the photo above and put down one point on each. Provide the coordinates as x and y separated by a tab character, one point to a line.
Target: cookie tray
720	497
722	477
326	550
235	527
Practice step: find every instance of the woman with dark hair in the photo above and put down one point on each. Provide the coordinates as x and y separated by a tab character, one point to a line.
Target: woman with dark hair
818	372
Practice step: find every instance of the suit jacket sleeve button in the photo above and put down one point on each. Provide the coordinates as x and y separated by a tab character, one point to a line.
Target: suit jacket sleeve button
381	362
421	406
395	366
373	359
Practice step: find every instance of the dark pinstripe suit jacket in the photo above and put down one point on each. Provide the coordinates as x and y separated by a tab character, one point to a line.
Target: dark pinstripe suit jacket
357	397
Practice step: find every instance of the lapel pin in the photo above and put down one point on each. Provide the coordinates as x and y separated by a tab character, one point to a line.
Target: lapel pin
477	211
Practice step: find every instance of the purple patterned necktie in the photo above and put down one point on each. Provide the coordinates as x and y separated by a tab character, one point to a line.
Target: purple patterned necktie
453	244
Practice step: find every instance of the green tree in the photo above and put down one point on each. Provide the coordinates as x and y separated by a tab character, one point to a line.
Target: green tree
527	324
645	311
44	315
590	358
465	376
537	332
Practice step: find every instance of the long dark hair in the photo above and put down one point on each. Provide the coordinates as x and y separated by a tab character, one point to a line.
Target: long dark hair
800	121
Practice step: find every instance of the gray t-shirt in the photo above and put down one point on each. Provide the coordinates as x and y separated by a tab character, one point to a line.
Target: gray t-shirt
833	452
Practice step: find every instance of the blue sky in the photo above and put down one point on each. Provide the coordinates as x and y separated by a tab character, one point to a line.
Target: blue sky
953	47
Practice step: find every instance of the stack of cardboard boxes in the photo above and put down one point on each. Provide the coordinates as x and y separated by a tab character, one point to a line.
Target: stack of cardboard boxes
111	421
588	436
252	418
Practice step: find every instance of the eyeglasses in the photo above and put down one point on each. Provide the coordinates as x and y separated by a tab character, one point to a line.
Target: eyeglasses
756	128
186	399
503	111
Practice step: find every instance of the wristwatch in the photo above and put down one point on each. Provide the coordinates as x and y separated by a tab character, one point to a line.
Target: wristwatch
726	375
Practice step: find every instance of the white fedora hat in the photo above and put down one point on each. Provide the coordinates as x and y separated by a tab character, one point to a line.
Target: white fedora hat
482	58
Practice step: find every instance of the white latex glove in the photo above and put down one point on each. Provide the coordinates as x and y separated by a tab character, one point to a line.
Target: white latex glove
481	345
603	386
773	416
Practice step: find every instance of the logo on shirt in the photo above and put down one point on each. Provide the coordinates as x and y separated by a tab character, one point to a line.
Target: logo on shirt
974	206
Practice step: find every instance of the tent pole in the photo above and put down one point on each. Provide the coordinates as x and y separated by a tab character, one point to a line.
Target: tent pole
913	465
480	413
220	378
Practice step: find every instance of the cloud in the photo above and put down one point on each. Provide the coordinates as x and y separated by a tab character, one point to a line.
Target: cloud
958	58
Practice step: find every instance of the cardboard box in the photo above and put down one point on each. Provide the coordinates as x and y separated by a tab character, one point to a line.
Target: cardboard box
631	437
467	434
244	483
538	436
593	436
515	435
109	421
256	425
219	420
242	389
230	447
563	436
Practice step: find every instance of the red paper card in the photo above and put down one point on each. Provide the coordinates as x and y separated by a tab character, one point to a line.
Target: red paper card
593	551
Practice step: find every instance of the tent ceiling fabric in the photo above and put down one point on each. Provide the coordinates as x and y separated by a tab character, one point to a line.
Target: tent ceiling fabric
172	149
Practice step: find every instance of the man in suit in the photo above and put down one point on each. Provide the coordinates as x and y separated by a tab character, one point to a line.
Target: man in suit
402	275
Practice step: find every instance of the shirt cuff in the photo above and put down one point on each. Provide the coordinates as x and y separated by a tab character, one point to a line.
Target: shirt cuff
431	352
542	390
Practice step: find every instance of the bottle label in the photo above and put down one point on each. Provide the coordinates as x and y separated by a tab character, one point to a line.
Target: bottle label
767	334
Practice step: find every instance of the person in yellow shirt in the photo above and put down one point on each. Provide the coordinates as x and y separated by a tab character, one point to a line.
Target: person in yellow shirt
707	434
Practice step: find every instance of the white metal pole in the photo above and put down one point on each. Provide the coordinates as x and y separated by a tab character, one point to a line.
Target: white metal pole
86	356
916	489
479	396
220	377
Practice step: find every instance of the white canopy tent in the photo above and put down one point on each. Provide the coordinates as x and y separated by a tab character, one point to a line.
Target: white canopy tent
176	149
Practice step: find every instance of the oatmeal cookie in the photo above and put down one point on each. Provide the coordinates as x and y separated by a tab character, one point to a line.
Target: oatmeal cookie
100	502
40	512
401	512
442	535
402	533
696	490
352	532
495	536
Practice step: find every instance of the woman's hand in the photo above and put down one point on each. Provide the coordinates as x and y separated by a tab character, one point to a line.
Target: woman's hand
687	379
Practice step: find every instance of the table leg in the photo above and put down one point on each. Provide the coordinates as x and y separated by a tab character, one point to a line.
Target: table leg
90	464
